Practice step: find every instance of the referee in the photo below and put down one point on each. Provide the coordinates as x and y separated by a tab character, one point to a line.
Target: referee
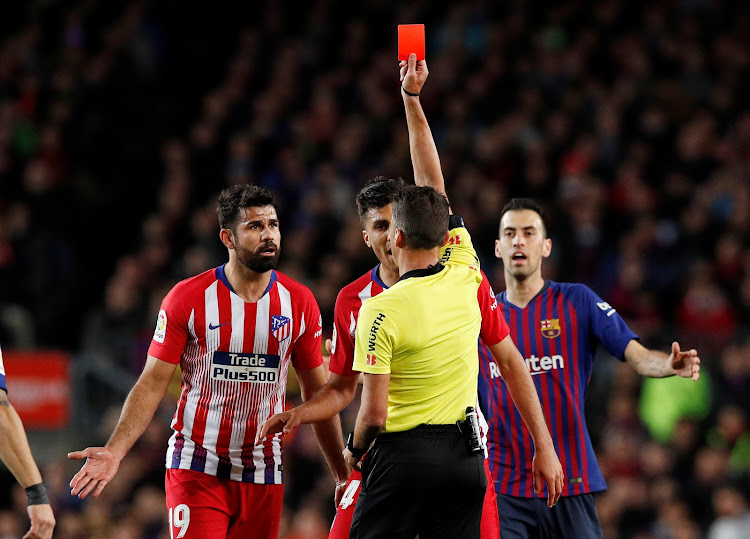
417	345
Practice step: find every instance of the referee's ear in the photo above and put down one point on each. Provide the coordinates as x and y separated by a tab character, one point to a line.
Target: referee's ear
399	238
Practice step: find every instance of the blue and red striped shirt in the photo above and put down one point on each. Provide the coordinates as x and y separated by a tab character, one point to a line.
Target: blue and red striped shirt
557	333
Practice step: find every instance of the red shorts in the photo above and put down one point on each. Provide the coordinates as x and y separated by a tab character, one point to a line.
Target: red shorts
342	522
204	506
490	517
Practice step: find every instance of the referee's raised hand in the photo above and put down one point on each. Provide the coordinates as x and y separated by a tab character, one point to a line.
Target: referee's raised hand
413	74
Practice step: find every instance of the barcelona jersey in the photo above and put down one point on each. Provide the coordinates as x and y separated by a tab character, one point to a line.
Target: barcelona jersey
557	334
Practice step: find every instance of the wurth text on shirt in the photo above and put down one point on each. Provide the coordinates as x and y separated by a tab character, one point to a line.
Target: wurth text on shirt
374	331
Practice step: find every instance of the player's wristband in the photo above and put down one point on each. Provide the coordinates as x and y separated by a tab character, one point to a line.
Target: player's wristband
410	94
37	494
356	452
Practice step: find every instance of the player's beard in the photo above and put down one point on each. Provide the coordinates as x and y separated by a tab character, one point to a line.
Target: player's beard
256	261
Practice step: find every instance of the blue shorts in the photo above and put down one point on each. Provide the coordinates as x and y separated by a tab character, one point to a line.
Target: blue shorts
572	517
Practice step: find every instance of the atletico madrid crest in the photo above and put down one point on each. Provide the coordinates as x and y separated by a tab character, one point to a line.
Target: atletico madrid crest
551	328
280	327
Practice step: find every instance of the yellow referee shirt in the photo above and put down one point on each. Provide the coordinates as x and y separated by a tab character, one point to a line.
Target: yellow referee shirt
423	331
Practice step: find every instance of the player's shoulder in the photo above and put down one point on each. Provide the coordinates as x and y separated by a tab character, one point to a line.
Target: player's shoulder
195	284
575	292
354	289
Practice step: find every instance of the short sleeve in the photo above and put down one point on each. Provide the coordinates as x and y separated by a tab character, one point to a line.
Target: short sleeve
306	352
342	352
608	326
376	333
494	327
171	333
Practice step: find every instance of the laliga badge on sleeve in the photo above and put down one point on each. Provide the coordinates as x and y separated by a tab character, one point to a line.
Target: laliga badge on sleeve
161	327
411	40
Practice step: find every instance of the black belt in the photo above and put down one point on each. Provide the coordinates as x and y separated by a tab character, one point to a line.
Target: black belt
424	431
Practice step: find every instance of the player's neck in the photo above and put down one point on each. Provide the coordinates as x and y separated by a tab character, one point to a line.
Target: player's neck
388	276
520	293
417	259
246	283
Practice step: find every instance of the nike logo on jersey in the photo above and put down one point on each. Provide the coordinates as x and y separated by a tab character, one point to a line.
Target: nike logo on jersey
211	325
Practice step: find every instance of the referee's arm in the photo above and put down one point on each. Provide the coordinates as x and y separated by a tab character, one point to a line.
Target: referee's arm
373	411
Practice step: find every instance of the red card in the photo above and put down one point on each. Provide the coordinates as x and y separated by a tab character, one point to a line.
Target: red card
410	40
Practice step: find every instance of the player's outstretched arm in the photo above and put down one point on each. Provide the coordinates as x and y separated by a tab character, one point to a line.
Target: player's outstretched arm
16	454
657	364
337	393
546	464
102	462
424	154
327	432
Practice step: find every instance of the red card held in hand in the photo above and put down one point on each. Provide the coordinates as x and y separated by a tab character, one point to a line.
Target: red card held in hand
410	40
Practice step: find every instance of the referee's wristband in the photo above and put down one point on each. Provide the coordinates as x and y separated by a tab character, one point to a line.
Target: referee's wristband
356	452
37	494
410	94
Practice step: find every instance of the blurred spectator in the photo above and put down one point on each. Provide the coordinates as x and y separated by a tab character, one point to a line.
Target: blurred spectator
733	515
627	119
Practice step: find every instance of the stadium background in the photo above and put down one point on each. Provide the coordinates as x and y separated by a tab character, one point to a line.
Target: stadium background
121	121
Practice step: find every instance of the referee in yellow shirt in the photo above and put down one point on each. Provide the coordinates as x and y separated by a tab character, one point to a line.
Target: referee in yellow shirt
417	345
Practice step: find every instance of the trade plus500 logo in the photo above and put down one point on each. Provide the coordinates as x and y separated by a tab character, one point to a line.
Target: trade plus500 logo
233	367
536	365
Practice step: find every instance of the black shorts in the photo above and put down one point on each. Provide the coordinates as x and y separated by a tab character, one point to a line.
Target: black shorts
420	482
572	517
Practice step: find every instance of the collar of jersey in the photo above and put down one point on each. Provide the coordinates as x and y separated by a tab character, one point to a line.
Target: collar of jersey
222	276
375	276
504	298
423	272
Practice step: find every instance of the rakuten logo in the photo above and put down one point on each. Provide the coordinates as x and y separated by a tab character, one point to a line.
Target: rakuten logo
536	365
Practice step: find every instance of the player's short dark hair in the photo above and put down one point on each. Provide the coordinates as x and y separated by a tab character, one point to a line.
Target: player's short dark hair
378	193
422	215
517	204
235	198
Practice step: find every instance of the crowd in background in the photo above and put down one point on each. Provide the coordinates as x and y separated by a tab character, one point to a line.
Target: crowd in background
628	120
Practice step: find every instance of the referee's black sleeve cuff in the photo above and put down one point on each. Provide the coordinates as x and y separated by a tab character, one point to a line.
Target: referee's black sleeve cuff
455	221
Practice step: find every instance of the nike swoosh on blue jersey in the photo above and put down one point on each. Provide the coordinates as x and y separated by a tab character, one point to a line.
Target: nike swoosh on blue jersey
211	325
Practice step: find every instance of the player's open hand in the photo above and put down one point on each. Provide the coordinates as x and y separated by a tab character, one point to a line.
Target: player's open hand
42	521
100	467
686	364
413	74
547	469
284	422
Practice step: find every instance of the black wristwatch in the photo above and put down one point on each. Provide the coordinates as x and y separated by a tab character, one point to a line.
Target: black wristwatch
356	452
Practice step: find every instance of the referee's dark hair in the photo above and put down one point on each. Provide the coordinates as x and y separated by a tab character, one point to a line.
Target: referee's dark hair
235	198
518	204
378	193
422	215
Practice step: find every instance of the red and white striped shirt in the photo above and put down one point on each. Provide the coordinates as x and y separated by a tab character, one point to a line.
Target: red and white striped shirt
345	315
234	358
